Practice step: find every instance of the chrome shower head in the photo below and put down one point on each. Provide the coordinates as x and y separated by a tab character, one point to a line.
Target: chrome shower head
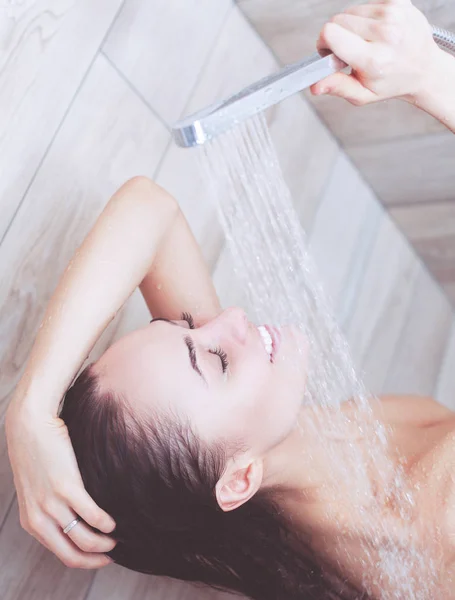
210	122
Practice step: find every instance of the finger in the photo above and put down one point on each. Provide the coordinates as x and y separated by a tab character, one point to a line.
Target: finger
344	86
89	541
82	535
392	14
367	29
348	46
370	11
52	537
83	505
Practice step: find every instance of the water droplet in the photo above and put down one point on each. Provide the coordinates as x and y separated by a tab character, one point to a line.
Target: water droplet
270	267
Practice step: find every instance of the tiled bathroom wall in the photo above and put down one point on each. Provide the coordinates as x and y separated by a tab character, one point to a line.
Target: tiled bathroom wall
406	156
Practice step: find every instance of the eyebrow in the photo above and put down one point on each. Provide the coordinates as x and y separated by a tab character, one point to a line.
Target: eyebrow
189	344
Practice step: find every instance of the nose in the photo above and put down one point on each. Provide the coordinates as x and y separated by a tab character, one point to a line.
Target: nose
232	325
239	323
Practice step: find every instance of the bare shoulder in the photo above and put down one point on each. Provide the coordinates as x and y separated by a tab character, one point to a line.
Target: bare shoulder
441	469
415	409
432	432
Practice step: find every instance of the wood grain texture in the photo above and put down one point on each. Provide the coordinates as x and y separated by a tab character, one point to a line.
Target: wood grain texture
344	229
117	583
409	170
238	57
431	230
380	122
423	340
229	68
47	48
449	289
445	389
377	305
161	47
31	572
291	27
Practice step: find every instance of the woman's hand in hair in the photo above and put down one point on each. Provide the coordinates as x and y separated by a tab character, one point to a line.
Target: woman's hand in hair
389	45
51	493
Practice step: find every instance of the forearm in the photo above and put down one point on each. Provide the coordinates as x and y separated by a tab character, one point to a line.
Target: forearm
437	95
104	271
179	277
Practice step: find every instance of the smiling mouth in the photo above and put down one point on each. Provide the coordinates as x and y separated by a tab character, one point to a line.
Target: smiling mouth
271	338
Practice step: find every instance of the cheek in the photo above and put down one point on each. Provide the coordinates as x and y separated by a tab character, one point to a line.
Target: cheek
242	403
257	397
275	398
253	383
259	405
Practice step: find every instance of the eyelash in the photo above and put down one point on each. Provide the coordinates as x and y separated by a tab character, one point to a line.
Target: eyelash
188	318
223	357
218	351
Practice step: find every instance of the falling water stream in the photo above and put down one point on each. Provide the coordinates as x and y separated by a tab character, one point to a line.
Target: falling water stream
271	261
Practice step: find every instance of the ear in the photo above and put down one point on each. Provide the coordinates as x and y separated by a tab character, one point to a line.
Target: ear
239	484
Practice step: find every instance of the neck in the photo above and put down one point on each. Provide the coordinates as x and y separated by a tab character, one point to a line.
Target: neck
311	462
297	464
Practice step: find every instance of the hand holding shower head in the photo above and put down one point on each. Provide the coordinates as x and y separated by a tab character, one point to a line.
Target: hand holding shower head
208	123
202	126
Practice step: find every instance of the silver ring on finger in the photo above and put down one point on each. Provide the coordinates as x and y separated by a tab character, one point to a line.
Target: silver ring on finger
70	526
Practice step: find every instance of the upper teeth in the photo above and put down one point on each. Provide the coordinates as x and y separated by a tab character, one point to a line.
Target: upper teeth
266	338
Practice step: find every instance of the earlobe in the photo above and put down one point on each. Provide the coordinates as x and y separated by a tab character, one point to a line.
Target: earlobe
238	485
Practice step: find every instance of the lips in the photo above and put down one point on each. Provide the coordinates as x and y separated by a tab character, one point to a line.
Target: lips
275	334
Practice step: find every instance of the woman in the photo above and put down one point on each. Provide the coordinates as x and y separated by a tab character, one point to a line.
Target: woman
181	440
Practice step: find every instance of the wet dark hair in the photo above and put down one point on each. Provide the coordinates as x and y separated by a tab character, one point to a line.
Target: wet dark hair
157	480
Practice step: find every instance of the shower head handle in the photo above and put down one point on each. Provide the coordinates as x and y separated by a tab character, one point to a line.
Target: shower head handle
210	122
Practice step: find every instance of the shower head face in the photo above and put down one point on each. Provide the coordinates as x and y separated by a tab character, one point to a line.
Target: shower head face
206	124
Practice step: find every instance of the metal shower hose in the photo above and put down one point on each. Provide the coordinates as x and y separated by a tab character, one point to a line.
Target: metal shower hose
444	39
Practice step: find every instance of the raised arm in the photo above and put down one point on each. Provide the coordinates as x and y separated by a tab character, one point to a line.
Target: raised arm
179	279
140	239
437	95
391	49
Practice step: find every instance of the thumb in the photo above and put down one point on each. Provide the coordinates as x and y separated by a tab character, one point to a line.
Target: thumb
344	86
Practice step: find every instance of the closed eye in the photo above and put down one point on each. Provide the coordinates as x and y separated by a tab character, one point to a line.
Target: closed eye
193	358
189	344
191	347
223	358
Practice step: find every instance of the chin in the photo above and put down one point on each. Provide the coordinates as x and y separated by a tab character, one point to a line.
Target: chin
292	359
299	338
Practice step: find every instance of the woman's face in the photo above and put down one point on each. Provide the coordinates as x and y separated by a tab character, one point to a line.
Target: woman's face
243	395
